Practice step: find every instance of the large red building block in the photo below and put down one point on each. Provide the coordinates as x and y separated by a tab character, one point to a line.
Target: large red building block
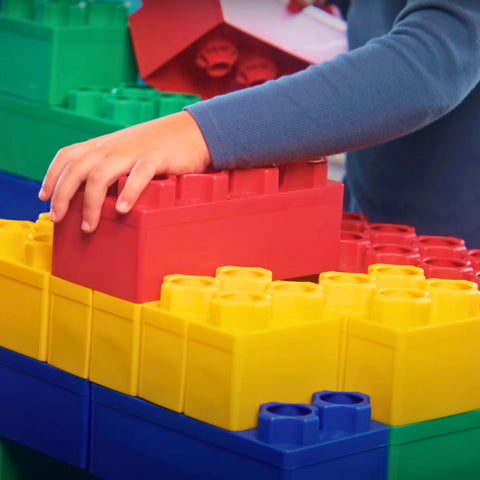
210	47
286	219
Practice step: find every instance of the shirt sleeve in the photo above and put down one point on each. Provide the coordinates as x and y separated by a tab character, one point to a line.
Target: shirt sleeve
393	85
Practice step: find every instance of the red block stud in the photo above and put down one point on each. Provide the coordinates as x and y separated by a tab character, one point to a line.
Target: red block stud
391	233
356	222
393	254
473	255
353	246
448	268
439	246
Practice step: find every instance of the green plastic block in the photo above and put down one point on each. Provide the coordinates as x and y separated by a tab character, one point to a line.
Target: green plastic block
21	463
33	132
441	449
48	47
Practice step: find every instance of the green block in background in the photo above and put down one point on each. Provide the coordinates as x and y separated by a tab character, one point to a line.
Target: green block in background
33	132
21	463
48	47
442	449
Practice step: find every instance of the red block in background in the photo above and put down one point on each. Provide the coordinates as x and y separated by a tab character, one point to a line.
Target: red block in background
286	219
210	47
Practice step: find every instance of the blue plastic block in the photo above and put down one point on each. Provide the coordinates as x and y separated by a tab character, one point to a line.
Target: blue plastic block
44	408
132	438
19	198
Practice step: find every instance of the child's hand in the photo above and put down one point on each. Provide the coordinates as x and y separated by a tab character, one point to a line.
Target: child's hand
170	145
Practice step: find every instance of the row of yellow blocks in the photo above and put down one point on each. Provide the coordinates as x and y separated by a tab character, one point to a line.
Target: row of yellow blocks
217	347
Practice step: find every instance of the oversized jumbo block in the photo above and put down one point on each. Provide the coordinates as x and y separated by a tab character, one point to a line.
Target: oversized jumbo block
70	327
25	266
255	347
292	441
33	132
414	348
285	219
66	44
437	449
216	46
44	408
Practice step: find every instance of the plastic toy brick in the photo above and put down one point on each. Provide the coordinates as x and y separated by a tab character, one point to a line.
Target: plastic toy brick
194	223
44	408
414	348
32	133
115	349
70	327
437	449
293	441
220	38
25	264
163	352
257	347
66	44
19	198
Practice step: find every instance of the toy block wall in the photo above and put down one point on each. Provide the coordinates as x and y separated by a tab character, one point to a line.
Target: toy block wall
66	44
194	223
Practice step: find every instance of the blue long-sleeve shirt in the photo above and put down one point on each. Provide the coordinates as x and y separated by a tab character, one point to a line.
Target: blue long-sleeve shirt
404	102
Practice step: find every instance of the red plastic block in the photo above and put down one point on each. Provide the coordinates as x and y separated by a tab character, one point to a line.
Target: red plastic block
285	219
211	47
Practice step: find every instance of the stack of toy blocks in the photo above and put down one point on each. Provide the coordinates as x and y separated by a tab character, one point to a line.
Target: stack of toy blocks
84	85
191	368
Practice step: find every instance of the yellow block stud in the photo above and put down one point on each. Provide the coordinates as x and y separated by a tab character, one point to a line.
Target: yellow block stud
163	348
70	332
453	299
243	279
397	276
250	353
415	363
25	266
115	343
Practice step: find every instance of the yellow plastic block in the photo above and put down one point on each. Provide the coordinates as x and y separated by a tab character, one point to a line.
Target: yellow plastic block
70	329
25	266
417	352
260	347
163	349
245	279
397	276
115	343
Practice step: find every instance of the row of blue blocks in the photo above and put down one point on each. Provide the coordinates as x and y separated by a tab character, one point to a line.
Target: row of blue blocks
116	436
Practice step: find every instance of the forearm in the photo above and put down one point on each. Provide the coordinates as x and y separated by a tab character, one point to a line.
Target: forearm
394	85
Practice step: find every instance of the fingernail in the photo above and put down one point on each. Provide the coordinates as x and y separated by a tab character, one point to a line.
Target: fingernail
122	207
41	194
52	216
85	226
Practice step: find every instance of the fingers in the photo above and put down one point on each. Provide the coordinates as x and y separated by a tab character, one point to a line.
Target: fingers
58	164
138	179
